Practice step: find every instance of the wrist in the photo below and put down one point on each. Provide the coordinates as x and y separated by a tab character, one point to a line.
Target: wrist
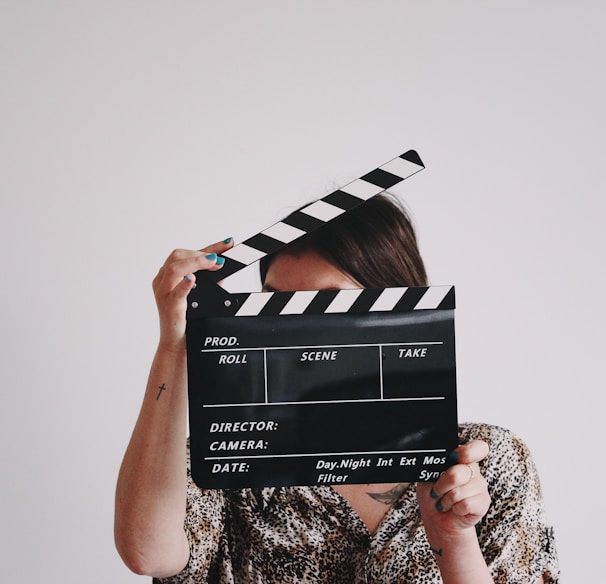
447	541
459	556
172	348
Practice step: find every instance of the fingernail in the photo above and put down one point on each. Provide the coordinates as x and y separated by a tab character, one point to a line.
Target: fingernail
439	506
454	456
228	240
188	278
433	494
220	261
211	256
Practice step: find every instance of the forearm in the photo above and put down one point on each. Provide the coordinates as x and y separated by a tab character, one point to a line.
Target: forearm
151	489
459	558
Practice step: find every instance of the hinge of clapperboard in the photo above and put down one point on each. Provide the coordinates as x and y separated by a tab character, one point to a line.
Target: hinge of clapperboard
208	298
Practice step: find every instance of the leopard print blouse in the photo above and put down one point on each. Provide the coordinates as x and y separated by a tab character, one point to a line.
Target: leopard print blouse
312	535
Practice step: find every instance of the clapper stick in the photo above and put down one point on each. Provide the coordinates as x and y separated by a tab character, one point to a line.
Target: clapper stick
319	213
323	386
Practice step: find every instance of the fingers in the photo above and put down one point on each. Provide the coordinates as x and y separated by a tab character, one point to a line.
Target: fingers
181	265
182	254
172	284
466	472
184	286
459	487
472	506
220	246
462	489
177	275
473	451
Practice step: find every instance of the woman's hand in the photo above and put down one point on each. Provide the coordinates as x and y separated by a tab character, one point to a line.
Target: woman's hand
450	509
173	283
459	498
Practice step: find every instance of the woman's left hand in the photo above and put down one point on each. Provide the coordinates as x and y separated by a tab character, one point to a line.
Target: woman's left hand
459	498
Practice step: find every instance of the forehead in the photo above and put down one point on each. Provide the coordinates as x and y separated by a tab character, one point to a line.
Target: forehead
306	270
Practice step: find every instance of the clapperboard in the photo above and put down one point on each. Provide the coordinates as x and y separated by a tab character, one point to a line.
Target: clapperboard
320	387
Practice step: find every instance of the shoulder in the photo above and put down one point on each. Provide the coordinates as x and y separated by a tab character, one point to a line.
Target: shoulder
516	539
501	441
509	463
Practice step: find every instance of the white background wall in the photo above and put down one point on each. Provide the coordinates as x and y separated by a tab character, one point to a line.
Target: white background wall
131	128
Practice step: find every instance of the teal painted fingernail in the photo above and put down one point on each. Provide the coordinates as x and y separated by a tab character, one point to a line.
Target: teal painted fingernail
220	261
433	494
439	506
454	456
188	278
211	256
228	240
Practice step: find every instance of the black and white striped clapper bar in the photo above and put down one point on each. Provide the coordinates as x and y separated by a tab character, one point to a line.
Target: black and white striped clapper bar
320	387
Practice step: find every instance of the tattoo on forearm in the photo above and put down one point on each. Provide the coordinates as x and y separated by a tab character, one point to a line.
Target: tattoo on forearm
391	496
161	388
437	552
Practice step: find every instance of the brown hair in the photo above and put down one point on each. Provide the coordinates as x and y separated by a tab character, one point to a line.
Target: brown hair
374	243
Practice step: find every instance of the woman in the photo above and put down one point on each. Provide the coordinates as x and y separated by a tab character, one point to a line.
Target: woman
481	521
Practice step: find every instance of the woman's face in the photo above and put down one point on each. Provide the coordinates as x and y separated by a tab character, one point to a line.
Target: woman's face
305	271
310	271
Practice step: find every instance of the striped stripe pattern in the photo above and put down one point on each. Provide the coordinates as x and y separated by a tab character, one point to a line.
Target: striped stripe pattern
320	212
344	301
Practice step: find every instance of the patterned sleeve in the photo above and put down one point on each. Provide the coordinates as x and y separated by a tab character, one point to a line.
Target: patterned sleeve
516	541
204	526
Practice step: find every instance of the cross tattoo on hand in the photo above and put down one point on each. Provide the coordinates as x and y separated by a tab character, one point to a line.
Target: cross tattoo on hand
161	388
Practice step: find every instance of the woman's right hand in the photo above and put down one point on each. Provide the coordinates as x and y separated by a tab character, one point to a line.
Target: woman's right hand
173	283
